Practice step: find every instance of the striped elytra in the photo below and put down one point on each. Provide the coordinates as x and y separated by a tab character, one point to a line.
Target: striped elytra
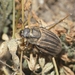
44	40
49	43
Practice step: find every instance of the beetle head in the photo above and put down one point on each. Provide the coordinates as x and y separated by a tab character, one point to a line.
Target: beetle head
30	33
25	33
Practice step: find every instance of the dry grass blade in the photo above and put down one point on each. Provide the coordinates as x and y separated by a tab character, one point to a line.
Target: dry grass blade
21	63
8	65
56	69
68	71
13	19
53	25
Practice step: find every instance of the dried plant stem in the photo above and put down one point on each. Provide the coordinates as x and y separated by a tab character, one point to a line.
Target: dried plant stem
56	69
22	13
21	63
53	25
22	28
13	19
8	65
29	17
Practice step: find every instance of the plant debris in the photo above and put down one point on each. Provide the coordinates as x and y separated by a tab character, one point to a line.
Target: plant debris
39	13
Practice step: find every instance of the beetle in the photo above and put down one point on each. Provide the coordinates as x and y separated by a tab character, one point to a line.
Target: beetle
44	40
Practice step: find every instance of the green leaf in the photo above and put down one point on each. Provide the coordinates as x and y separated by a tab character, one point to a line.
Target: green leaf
25	65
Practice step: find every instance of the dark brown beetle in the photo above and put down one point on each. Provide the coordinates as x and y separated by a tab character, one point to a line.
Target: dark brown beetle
44	40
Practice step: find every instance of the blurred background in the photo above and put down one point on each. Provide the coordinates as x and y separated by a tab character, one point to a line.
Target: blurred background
48	10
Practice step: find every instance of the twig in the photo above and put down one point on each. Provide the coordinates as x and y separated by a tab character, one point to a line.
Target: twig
22	13
13	19
7	65
22	2
53	25
29	17
56	69
21	63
